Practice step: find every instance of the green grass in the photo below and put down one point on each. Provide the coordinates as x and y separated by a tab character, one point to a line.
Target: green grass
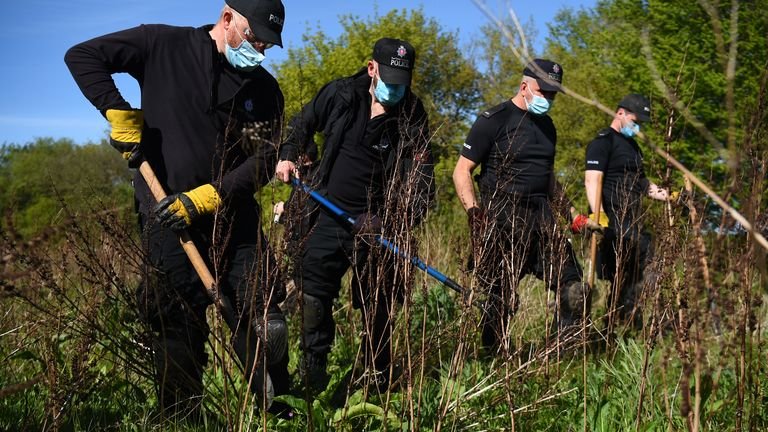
73	356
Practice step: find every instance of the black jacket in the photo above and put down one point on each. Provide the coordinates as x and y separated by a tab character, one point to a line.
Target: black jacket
195	105
331	112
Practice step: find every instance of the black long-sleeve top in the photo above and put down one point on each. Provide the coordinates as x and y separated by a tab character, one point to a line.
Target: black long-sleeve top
195	105
361	154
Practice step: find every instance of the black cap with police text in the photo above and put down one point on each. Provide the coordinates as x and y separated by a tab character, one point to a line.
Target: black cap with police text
548	74
638	105
265	18
396	59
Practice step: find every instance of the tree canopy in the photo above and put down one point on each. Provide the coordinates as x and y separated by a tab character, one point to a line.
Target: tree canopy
690	45
38	179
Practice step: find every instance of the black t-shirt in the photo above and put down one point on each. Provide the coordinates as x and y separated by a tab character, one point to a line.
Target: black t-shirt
515	148
621	161
357	178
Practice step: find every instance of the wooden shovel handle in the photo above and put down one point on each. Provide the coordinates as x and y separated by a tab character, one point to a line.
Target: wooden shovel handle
186	241
595	240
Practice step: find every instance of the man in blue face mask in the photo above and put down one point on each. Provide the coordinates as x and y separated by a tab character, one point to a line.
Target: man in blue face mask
202	88
614	160
376	165
512	227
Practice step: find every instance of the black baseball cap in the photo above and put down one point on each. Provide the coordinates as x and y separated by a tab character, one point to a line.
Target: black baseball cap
396	59
548	74
638	105
265	18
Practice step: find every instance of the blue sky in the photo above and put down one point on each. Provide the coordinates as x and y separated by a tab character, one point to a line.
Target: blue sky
40	99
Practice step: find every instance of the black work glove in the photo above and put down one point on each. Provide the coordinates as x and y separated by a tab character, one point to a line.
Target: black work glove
367	224
476	220
477	224
125	134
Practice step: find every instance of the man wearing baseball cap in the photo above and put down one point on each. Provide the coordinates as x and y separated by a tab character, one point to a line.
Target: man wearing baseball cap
548	75
264	17
614	160
376	165
511	225
395	59
200	88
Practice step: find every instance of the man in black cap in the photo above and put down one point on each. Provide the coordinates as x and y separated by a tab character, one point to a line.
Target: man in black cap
377	166
512	227
200	88
614	160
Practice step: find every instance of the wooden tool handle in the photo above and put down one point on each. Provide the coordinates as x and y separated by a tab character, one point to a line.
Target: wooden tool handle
186	241
594	242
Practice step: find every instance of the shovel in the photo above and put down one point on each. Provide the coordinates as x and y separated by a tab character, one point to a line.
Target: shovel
242	337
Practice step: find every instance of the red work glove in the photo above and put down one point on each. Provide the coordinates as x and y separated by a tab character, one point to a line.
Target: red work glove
580	222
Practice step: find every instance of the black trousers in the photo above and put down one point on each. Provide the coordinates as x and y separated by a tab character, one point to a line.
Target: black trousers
329	252
520	238
623	254
173	301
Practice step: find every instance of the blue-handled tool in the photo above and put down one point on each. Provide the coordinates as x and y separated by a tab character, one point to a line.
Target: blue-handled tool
333	208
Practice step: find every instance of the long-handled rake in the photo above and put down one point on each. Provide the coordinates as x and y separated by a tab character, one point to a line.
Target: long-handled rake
416	261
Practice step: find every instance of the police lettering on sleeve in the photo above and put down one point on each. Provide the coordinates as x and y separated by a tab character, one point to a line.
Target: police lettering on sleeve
599	151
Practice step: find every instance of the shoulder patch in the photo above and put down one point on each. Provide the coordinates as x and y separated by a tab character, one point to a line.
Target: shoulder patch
497	109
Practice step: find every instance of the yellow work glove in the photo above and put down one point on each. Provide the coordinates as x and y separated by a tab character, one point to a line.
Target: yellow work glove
178	211
679	198
125	135
603	222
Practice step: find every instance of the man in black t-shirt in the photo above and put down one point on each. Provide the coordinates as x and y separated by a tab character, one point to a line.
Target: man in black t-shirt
377	166
512	227
614	160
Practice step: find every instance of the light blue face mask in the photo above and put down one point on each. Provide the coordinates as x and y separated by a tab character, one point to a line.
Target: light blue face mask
630	130
388	94
245	57
539	105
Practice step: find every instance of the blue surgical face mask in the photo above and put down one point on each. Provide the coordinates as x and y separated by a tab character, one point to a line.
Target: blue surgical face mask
245	57
630	130
538	105
388	94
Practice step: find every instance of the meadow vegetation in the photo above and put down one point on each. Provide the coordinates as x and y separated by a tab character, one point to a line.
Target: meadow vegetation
75	357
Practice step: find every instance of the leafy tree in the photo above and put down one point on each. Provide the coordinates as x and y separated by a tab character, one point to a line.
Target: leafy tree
599	62
502	69
601	53
445	77
39	179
